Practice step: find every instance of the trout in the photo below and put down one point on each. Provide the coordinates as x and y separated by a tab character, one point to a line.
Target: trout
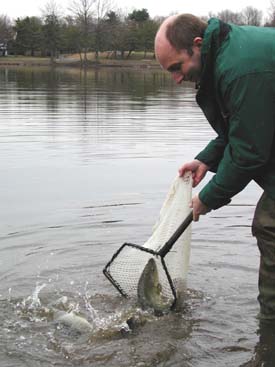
150	290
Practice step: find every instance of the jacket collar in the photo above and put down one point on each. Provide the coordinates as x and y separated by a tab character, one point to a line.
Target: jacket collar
214	35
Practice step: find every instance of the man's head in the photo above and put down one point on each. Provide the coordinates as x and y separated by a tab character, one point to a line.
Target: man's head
178	46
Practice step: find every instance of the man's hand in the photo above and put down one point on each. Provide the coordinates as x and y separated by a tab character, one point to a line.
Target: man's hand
198	208
197	168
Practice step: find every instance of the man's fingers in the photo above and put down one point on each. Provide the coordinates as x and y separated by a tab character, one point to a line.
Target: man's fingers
189	166
198	176
196	217
183	169
181	172
196	181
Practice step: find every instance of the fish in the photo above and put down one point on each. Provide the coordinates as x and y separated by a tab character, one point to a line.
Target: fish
149	290
116	326
73	321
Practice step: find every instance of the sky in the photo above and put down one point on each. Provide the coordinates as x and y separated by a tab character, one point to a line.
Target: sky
21	8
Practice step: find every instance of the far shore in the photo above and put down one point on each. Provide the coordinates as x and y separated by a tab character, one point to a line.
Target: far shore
136	62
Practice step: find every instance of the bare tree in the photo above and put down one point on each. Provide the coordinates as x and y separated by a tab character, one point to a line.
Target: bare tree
102	8
82	10
6	32
231	17
72	36
52	28
252	16
51	7
270	22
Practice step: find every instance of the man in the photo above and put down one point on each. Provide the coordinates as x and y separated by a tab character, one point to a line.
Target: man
234	68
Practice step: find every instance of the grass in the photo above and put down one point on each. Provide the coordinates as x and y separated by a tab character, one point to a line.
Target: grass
135	60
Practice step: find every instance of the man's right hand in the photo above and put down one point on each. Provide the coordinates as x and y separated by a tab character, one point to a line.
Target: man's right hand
197	168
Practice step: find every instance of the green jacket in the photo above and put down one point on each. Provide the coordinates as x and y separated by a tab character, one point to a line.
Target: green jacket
237	96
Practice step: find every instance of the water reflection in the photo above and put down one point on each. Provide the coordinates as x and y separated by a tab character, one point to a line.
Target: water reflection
134	84
123	109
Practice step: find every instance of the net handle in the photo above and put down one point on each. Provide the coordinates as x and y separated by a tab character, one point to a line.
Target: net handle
168	245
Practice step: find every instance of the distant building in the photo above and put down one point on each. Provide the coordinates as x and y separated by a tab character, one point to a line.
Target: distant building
3	49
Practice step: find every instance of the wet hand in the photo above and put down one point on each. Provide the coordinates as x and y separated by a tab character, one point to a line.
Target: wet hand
198	208
197	168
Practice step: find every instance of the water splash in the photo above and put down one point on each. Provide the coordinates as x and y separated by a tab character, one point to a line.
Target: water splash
9	296
33	301
116	321
34	298
92	311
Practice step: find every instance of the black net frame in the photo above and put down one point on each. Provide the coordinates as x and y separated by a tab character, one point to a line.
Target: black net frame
158	255
120	288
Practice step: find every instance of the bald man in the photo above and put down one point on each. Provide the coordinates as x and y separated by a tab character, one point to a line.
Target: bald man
234	70
184	64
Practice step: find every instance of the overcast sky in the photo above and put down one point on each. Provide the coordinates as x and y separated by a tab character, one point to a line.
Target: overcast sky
20	8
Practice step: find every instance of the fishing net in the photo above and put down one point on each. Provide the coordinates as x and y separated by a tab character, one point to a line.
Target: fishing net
126	267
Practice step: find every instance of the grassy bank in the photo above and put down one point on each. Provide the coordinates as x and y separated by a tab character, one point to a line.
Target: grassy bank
135	61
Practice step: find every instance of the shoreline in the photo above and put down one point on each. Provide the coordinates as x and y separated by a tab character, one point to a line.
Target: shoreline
12	61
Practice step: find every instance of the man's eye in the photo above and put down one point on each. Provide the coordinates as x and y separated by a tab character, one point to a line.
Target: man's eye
175	68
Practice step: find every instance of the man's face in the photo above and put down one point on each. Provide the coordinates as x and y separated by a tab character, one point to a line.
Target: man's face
184	67
181	65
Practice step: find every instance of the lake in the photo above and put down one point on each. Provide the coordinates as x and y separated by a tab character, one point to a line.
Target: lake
86	161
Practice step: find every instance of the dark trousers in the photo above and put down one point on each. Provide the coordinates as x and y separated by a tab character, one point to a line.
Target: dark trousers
263	228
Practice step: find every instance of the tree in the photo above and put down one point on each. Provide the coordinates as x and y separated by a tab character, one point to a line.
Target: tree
147	32
82	10
139	15
112	25
102	8
28	35
271	18
52	29
6	31
112	17
252	16
131	41
71	36
136	30
231	17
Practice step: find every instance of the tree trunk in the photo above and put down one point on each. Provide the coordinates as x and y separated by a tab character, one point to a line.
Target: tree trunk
129	54
85	58
80	56
52	56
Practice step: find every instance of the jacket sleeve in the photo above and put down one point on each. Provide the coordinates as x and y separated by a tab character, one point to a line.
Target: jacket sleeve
250	102
213	153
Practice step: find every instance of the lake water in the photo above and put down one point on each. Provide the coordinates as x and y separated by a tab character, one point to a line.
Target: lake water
86	162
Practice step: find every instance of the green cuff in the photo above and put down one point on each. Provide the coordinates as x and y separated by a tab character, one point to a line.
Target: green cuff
213	197
206	159
212	154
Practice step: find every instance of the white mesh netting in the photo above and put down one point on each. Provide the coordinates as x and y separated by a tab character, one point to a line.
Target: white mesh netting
174	210
126	269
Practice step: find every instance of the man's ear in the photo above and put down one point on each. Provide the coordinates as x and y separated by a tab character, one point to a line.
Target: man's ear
197	41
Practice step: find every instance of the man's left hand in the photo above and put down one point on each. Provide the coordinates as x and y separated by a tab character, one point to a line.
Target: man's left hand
198	208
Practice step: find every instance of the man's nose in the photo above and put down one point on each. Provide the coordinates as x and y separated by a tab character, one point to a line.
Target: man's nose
177	77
